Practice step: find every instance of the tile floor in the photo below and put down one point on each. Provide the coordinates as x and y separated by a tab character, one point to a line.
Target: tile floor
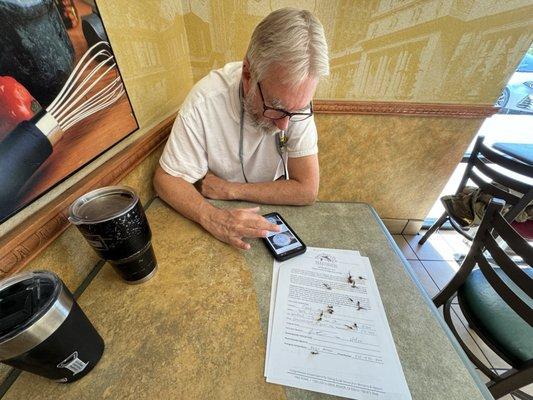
434	264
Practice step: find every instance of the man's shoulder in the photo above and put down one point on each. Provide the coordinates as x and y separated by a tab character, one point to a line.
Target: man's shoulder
214	87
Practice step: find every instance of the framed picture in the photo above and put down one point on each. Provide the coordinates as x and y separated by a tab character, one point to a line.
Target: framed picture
62	99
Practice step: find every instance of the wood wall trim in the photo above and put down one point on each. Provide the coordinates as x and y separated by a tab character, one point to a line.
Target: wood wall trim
404	108
22	244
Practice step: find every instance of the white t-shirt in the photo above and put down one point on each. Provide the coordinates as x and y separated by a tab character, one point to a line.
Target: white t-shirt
206	135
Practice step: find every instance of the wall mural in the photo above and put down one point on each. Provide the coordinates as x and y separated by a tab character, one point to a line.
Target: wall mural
62	100
434	51
150	43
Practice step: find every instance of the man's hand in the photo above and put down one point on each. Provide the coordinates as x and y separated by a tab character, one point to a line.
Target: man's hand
229	226
216	188
232	225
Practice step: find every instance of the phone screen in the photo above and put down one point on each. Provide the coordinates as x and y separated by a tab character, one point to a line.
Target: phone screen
284	240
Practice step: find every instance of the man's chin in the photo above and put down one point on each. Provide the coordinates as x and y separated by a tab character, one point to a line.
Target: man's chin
265	127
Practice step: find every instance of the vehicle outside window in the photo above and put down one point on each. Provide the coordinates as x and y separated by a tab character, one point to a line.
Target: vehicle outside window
517	96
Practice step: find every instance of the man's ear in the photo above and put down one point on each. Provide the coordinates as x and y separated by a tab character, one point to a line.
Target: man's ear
246	76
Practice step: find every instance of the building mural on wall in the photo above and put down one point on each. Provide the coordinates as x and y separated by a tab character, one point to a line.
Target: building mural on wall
153	51
443	51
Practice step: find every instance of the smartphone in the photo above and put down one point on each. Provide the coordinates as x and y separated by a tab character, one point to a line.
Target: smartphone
284	244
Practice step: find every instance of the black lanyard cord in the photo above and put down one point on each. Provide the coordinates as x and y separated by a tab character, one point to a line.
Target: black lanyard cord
241	141
280	143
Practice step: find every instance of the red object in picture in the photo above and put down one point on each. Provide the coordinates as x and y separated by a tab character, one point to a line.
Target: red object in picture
68	12
16	105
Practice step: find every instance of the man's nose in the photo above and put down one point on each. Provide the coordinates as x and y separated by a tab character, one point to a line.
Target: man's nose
282	124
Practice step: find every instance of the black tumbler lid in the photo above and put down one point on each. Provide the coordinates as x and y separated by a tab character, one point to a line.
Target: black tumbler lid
32	306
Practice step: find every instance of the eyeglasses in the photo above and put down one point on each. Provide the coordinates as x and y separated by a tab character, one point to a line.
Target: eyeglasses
278	113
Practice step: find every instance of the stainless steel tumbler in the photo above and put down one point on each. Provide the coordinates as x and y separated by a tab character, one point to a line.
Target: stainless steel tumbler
43	330
112	220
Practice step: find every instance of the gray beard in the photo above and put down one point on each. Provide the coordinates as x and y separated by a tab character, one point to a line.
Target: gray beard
265	126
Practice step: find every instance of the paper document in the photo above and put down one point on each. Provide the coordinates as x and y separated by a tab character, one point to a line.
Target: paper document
327	330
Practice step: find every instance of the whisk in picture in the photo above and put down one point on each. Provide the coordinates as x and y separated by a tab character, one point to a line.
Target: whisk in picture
93	86
79	98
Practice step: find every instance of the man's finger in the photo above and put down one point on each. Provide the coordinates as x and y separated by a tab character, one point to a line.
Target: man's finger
238	243
256	221
263	223
252	232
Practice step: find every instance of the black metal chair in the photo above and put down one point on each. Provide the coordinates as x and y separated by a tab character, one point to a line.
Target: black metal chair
496	300
481	161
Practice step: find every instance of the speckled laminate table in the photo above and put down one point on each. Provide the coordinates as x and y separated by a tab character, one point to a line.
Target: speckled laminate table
197	330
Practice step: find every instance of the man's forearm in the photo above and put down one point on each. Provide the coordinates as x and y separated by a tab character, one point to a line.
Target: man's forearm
182	196
287	192
227	225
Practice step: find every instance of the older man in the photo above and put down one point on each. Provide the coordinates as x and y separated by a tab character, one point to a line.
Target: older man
246	131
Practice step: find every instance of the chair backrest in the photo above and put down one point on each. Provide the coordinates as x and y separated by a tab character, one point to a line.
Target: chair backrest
492	224
514	191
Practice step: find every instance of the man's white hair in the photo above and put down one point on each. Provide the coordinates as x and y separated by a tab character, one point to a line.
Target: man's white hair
292	40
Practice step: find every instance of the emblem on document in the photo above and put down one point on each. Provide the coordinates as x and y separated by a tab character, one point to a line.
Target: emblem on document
325	259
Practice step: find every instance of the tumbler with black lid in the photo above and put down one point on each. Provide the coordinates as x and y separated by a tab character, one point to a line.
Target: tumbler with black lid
43	330
113	222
